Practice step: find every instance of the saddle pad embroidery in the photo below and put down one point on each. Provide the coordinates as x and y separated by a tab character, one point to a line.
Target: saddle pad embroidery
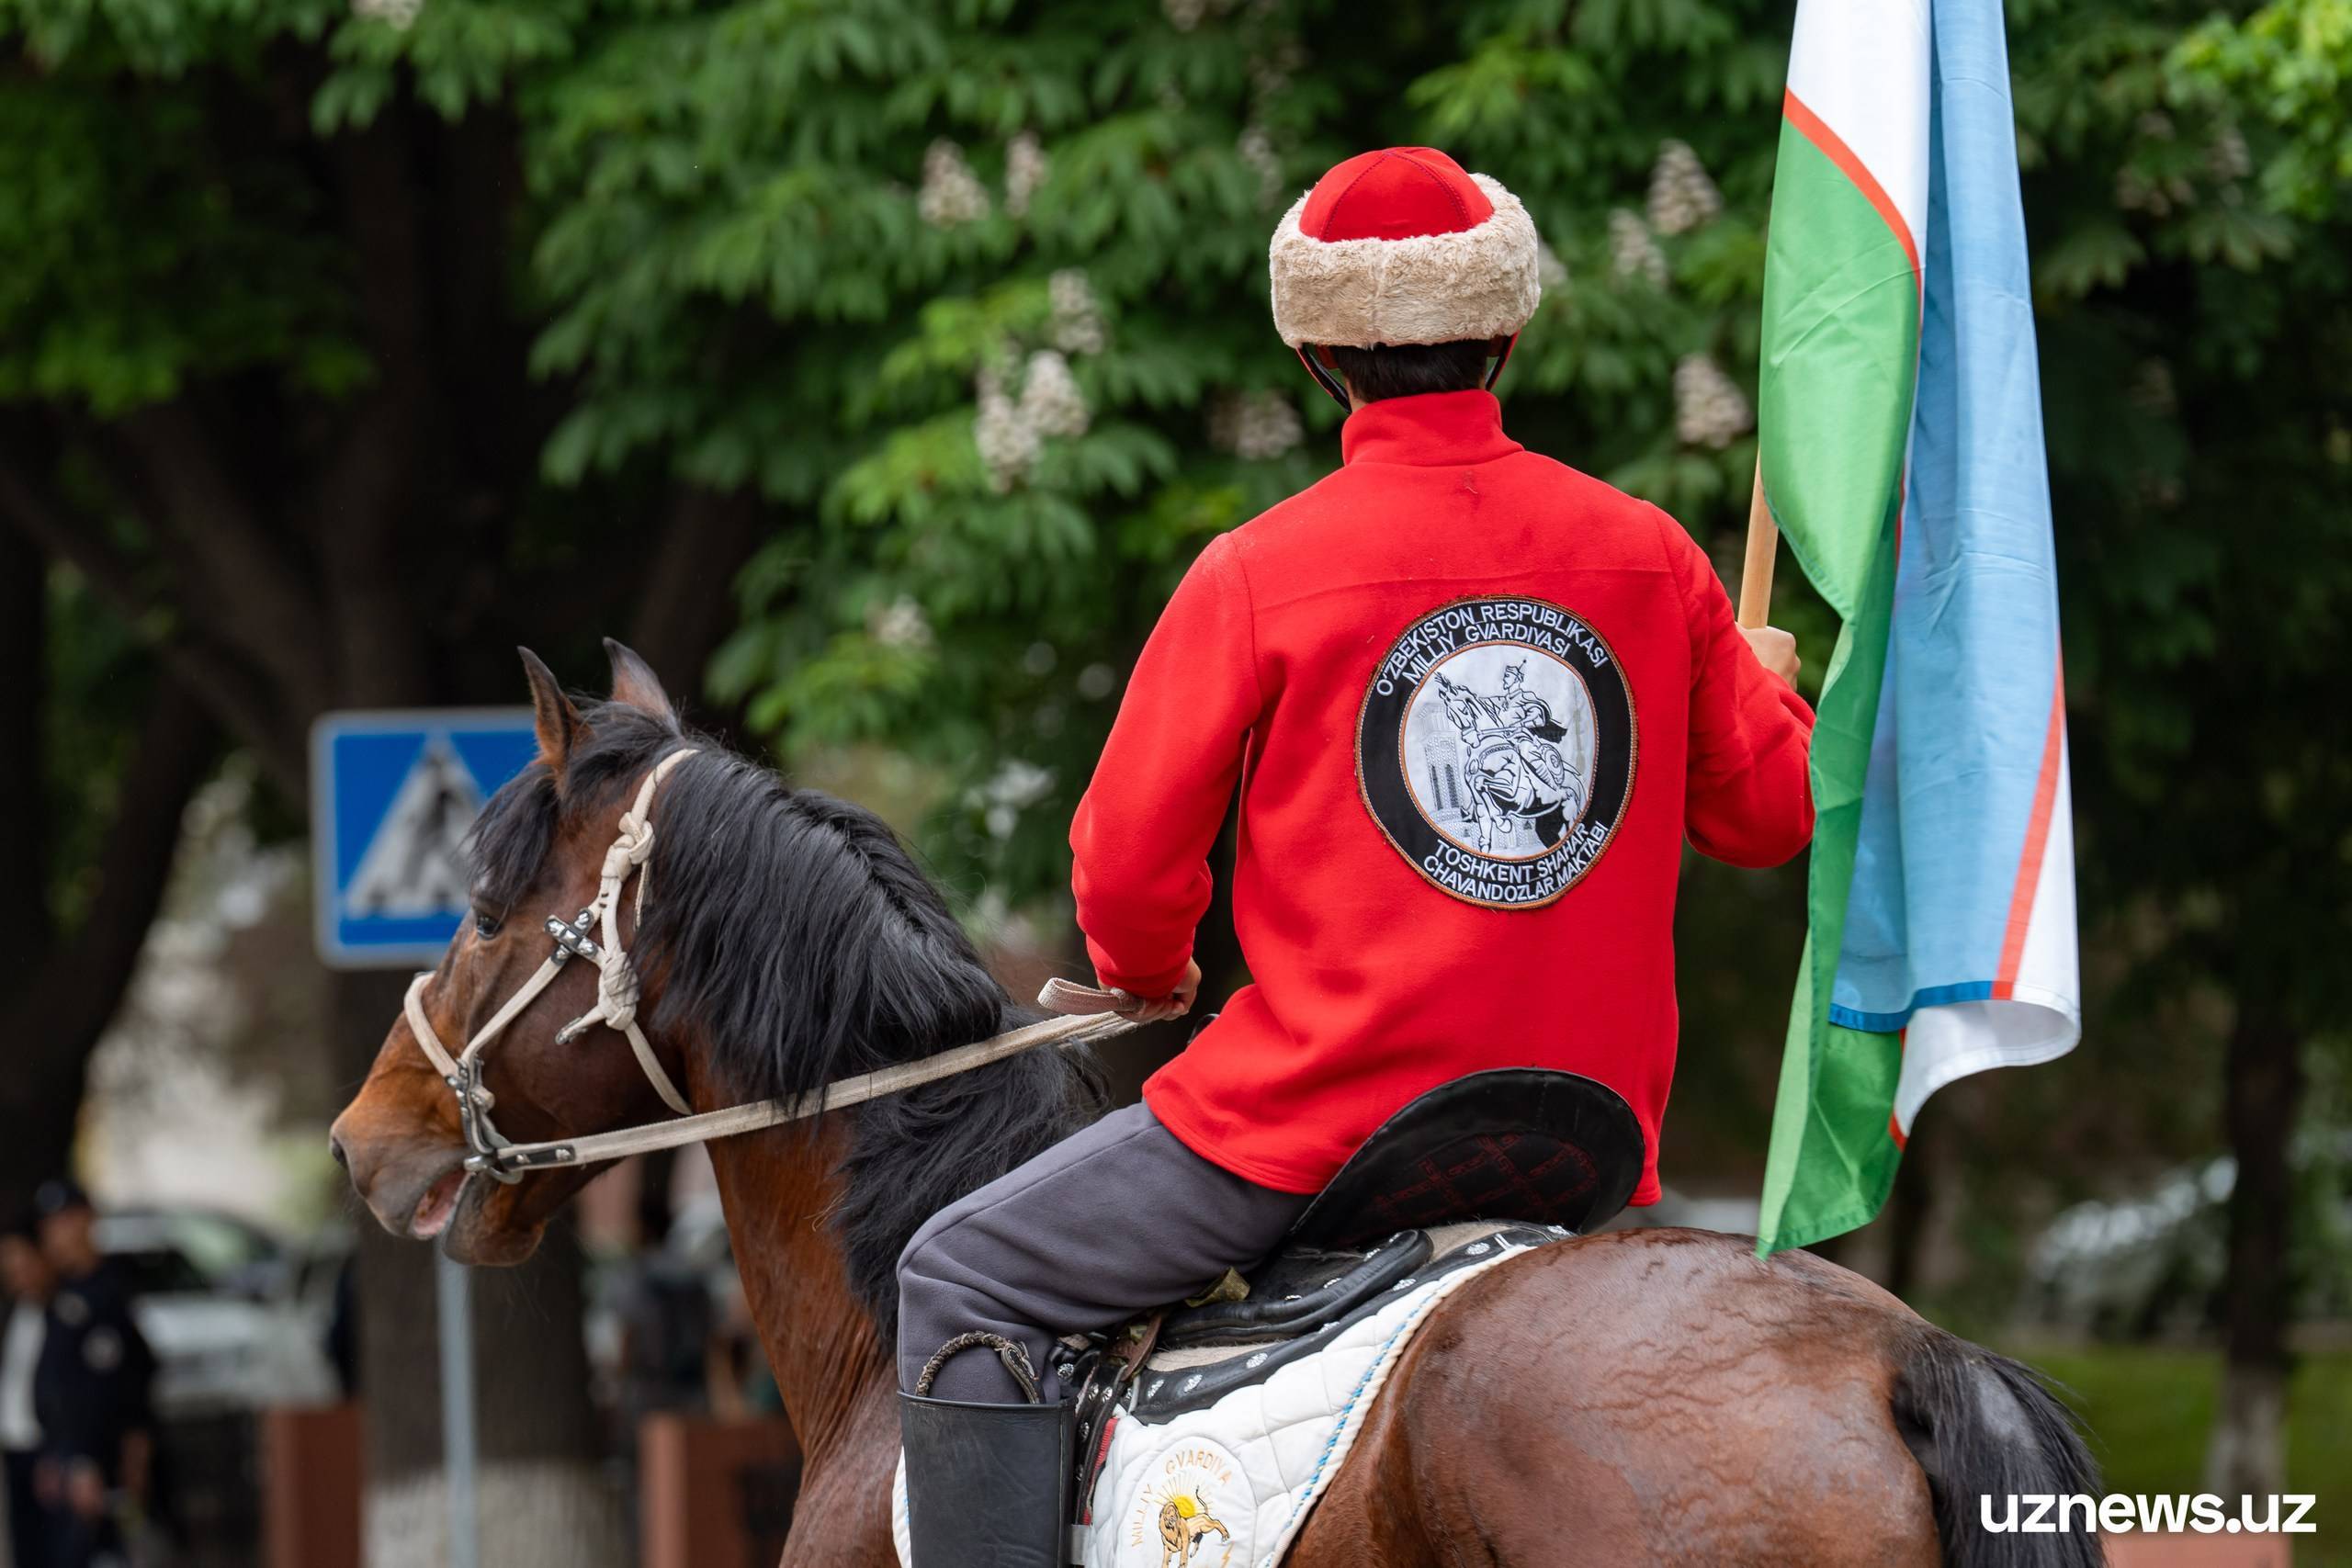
1231	1485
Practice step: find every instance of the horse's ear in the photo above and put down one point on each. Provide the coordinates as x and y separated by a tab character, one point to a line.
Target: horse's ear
552	714
634	683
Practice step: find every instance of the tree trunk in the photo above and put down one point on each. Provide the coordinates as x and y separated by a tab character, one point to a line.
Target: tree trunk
1906	1220
2247	1451
25	921
68	989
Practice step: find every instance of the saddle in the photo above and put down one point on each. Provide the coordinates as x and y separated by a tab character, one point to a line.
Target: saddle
1493	1163
1228	1416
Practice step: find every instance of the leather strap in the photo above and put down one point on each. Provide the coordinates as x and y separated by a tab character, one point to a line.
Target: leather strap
1090	1016
763	1113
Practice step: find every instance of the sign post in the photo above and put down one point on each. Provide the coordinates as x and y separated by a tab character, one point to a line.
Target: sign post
453	1296
392	796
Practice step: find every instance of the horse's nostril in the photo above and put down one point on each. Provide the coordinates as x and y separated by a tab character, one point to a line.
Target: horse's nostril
334	1147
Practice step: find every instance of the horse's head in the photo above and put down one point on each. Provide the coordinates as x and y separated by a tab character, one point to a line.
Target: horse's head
540	849
1456	698
787	941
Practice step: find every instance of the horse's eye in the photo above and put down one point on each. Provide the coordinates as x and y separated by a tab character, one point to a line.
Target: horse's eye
486	926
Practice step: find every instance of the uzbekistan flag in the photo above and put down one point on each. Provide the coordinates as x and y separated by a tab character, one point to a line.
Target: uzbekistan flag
1901	418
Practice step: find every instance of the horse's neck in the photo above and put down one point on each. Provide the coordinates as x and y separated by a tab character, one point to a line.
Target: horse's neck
831	1369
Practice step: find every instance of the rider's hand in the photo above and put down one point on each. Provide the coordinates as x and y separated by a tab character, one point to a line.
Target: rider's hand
1775	650
1175	1004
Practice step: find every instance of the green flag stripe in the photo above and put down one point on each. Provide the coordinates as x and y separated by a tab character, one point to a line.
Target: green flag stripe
1841	332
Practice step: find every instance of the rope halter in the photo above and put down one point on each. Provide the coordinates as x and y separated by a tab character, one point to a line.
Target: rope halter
616	997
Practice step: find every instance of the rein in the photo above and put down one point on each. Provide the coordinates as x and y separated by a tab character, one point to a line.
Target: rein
617	995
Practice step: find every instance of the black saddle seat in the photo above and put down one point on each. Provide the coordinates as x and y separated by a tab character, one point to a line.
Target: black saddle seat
1521	1144
1517	1145
1297	1290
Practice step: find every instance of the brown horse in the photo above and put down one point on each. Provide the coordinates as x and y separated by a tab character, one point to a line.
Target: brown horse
1654	1396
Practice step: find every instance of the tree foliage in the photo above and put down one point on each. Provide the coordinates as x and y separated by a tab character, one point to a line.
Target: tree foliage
968	296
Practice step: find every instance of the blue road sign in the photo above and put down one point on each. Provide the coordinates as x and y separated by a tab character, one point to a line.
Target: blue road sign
391	796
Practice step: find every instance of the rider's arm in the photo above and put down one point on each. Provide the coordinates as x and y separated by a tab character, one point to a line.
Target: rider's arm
1141	840
1748	800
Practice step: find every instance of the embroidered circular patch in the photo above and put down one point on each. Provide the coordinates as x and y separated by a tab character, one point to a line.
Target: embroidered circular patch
1495	749
1191	1504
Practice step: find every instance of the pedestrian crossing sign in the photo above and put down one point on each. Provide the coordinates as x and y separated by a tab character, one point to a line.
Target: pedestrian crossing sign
393	795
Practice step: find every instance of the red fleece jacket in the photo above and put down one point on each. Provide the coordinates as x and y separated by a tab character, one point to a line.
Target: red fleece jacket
1474	702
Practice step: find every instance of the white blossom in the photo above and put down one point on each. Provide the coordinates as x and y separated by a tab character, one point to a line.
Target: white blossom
400	14
899	623
951	192
1078	327
1050	399
1025	167
1551	272
1633	252
1010	432
1708	411
1255	425
1013	789
1008	443
1681	196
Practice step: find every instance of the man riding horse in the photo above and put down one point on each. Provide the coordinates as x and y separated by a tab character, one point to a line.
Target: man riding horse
1288	665
1509	754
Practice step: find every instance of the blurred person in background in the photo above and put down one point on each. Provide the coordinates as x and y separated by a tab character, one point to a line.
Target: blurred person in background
92	1389
24	1275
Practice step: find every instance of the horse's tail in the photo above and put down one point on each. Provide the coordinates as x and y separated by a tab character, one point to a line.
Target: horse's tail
1983	1426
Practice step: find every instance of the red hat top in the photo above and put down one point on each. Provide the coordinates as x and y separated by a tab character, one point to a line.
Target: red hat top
1403	246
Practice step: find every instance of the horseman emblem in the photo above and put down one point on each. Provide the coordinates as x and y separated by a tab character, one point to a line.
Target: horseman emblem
1495	749
1512	771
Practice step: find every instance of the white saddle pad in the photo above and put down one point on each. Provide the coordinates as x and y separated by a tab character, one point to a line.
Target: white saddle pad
1231	1485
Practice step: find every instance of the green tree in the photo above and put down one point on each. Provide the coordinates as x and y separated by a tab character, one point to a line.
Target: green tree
270	445
968	586
2196	332
339	349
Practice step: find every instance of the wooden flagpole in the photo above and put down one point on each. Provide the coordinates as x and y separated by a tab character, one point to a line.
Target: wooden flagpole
1763	548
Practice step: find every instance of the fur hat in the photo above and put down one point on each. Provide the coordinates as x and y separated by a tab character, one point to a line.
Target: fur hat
1402	246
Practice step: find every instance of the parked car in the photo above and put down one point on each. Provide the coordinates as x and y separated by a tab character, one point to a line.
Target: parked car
2152	1262
223	1303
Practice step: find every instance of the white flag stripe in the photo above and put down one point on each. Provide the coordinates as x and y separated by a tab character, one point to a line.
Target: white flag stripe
2042	1017
1862	67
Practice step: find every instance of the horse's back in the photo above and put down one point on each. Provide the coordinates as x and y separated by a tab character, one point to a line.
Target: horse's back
1634	1397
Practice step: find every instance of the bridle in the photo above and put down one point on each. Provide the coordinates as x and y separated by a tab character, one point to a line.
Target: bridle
491	1154
615	990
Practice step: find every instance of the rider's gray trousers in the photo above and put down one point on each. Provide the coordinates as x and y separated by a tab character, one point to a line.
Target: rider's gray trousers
1109	1222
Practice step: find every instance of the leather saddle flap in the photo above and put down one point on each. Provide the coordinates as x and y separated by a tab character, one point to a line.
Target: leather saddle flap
1295	1292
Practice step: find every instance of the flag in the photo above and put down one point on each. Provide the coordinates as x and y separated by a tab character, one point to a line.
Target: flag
1901	457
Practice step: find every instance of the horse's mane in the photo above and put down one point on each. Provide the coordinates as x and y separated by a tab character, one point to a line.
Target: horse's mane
799	940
